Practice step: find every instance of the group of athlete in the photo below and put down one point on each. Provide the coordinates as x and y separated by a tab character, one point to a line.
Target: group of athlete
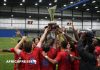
61	52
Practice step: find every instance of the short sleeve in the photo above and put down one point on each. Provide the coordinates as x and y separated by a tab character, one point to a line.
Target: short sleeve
18	52
12	50
38	50
58	57
97	50
21	54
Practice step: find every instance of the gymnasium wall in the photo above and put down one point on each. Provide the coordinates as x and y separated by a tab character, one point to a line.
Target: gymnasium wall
5	23
17	22
9	32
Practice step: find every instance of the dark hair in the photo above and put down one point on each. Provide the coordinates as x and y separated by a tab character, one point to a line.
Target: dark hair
18	40
64	44
72	46
89	37
46	47
33	40
28	46
90	34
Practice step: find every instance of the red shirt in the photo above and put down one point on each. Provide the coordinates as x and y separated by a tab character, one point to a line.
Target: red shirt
34	57
16	57
75	63
63	61
97	52
45	64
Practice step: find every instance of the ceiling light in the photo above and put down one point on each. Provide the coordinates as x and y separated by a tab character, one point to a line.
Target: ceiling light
55	0
36	4
23	0
96	7
64	5
98	11
71	2
87	9
4	4
21	4
29	16
40	1
59	18
5	0
46	17
84	4
41	19
12	15
93	1
76	7
50	4
98	19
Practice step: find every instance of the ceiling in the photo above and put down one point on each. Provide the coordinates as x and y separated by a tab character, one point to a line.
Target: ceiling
59	3
93	6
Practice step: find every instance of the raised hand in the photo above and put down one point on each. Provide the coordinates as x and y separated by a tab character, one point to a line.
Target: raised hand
24	38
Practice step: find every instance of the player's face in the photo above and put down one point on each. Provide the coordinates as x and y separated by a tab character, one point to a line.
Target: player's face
36	40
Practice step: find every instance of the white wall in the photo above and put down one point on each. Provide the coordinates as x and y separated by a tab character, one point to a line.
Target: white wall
20	23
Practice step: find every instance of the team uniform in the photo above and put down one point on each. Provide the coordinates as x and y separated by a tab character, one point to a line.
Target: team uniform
44	63
97	52
75	63
16	57
32	59
63	61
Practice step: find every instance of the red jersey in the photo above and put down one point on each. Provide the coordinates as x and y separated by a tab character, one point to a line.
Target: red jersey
33	57
97	52
63	61
45	64
75	63
16	57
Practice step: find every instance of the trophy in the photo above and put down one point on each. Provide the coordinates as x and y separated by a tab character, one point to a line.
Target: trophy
51	11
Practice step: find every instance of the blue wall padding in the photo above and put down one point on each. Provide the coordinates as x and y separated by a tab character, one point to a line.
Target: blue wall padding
73	5
9	32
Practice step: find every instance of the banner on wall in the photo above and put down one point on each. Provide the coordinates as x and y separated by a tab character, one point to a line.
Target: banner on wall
69	24
30	22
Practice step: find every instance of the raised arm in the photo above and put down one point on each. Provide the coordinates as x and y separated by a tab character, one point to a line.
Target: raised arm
17	50
69	38
43	37
75	32
53	61
65	34
5	50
